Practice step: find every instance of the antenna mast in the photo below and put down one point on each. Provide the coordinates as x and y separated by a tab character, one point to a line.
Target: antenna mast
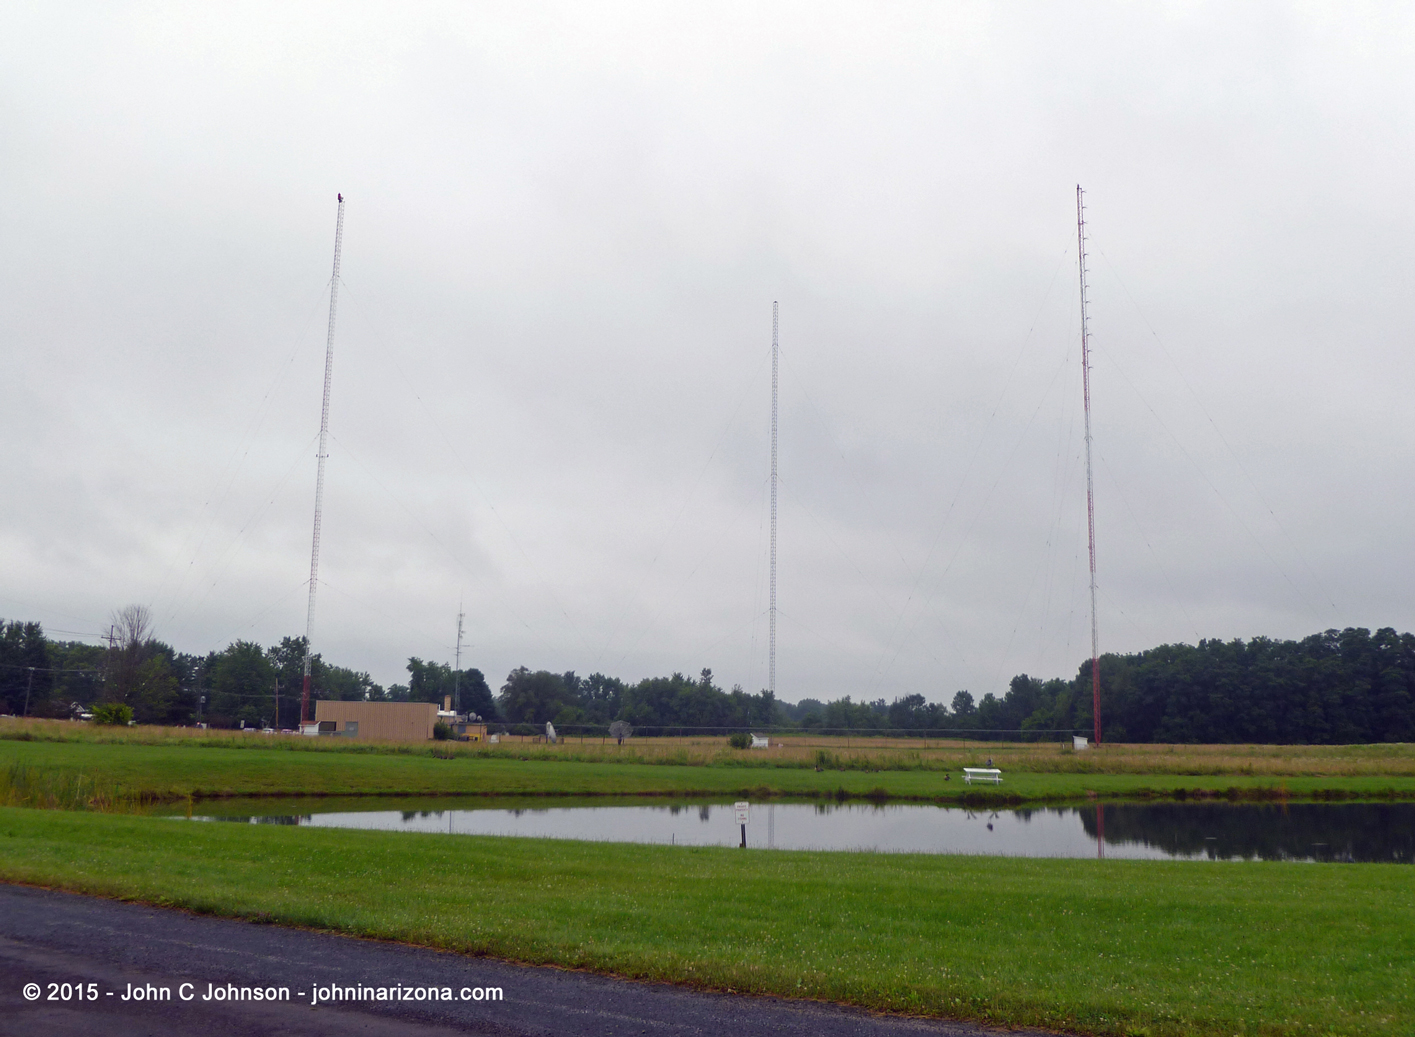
771	651
1090	492
323	454
457	674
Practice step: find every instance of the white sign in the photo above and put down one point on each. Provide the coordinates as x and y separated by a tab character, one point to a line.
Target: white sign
740	809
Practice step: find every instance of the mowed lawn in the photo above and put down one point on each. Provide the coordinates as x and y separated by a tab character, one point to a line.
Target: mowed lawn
1122	947
177	771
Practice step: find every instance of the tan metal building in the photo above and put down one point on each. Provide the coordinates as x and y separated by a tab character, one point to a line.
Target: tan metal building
377	721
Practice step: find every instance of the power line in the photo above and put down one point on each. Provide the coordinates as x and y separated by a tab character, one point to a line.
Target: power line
1222	438
886	661
242	449
50	669
658	549
471	477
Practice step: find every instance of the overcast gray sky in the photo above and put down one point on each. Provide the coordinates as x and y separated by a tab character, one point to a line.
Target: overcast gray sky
565	228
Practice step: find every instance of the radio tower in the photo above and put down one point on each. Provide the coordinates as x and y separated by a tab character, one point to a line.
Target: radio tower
457	673
323	454
1090	493
771	641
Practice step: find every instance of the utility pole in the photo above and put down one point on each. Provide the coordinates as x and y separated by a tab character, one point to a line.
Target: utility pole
457	673
112	639
277	703
771	641
28	685
323	455
1090	491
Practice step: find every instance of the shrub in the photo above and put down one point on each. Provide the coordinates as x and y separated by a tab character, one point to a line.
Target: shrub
739	740
113	713
441	731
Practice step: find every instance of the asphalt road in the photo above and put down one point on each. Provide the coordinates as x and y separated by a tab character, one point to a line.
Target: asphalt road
91	957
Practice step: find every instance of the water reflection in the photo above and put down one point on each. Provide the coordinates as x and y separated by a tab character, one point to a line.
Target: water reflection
1296	831
1308	831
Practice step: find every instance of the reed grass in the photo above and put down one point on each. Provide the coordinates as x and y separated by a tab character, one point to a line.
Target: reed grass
829	753
49	788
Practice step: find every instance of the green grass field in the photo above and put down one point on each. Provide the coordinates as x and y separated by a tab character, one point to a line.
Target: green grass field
1114	947
797	751
178	771
1091	946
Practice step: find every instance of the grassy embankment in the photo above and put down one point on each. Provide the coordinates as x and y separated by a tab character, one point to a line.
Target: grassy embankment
1113	947
797	751
156	773
167	764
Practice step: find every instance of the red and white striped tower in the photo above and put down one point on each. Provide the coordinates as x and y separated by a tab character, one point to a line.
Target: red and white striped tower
1090	492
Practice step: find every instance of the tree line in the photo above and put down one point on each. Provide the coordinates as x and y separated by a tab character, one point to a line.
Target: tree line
245	683
1347	686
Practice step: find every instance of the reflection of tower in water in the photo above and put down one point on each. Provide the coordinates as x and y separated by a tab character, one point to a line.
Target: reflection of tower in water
771	826
1100	831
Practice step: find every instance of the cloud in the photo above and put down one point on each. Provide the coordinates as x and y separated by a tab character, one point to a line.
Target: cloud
565	231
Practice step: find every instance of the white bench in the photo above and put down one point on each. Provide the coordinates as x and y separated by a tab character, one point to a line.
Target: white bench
972	774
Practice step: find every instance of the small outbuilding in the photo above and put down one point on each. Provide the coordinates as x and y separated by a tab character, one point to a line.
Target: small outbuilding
469	730
376	721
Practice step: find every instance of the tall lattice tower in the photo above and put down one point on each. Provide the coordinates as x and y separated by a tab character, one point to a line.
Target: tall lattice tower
322	456
1090	490
457	671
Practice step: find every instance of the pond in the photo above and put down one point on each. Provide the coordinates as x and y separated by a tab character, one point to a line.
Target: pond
1351	832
